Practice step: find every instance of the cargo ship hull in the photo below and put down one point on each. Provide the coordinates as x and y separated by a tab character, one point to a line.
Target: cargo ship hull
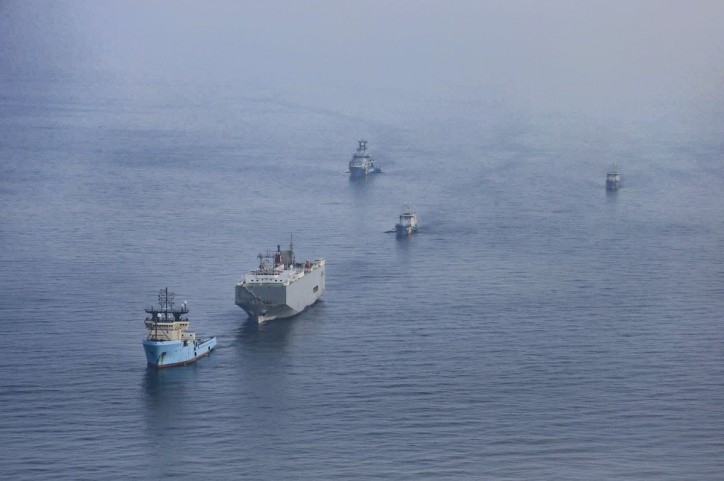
265	300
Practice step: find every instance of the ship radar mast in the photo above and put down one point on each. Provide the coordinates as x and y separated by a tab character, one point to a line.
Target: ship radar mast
166	311
165	299
291	249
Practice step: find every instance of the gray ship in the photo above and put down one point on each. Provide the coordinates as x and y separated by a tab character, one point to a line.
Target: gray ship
613	179
362	164
280	287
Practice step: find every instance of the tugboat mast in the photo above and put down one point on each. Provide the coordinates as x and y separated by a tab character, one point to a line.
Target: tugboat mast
167	343
165	300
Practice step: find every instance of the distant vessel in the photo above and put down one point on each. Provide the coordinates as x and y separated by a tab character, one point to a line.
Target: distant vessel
613	179
167	344
280	287
408	221
362	164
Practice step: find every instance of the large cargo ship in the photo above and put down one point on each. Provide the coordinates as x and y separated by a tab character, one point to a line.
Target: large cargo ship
280	287
167	343
362	164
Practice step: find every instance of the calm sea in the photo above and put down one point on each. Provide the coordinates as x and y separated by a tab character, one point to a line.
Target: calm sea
536	328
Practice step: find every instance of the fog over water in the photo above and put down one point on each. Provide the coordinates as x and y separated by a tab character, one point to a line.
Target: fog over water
595	57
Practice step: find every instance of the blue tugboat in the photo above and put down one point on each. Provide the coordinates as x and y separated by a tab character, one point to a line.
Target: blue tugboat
167	343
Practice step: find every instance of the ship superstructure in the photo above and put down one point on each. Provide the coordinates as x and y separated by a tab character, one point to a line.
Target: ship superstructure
407	224
362	164
280	287
167	343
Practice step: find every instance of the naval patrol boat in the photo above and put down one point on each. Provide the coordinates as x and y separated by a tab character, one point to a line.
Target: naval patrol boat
167	342
408	221
362	164
280	287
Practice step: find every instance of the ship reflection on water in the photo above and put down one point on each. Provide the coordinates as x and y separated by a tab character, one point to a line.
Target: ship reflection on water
163	385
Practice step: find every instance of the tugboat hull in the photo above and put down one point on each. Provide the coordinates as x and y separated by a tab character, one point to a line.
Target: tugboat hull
177	353
402	230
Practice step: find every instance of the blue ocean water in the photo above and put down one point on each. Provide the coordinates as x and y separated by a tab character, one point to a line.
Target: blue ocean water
536	328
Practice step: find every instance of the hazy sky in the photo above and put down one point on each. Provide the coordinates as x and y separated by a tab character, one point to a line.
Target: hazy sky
540	53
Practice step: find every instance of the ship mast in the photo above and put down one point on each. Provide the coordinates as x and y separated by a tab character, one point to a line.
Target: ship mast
165	313
291	249
165	300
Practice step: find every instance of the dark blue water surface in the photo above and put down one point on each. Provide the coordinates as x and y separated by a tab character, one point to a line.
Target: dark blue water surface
536	328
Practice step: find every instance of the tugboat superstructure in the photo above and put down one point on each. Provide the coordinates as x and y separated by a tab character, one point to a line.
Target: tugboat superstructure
280	287
167	342
362	164
408	221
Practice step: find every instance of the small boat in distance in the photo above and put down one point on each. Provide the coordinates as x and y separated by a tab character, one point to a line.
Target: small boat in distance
362	164
167	344
408	221
613	179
